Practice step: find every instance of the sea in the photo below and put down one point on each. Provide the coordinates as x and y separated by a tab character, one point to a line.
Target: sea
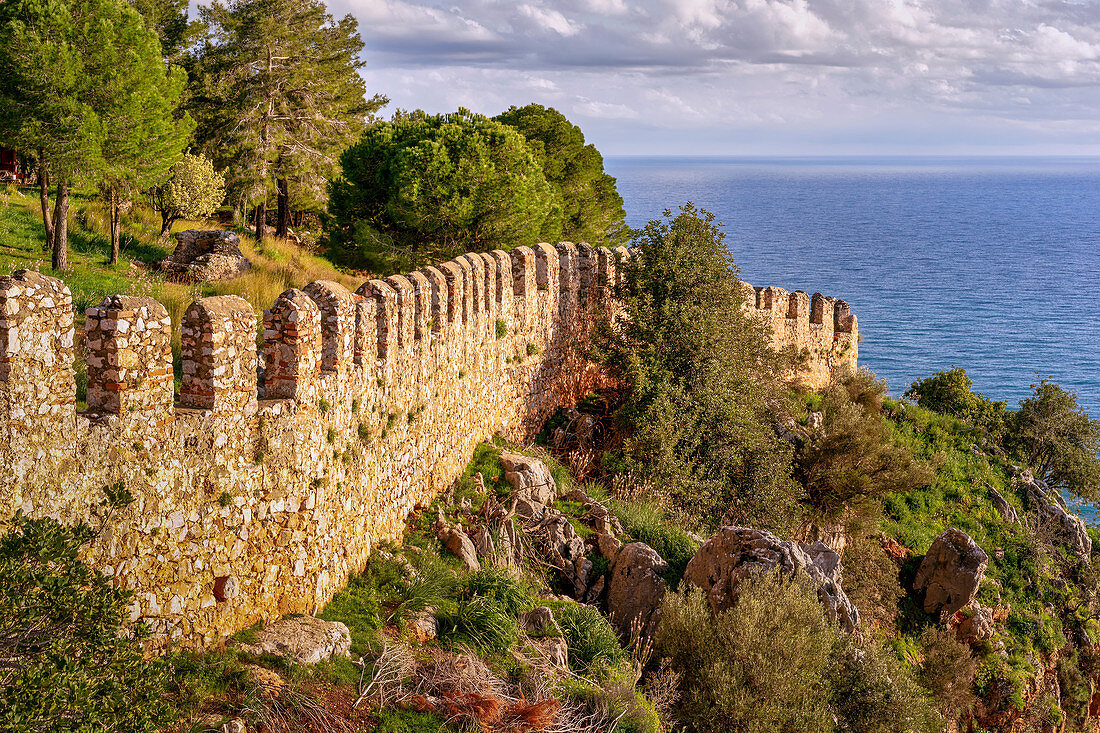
991	264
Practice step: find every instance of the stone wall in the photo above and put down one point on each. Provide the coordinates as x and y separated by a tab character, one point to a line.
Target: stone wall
822	328
278	469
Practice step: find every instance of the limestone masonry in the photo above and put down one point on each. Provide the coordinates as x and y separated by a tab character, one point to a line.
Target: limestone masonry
279	468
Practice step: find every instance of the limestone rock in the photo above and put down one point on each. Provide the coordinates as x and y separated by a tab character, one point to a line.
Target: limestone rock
736	553
974	623
566	551
423	626
530	477
609	546
950	572
237	725
205	256
1052	510
303	639
460	545
637	588
1003	507
540	621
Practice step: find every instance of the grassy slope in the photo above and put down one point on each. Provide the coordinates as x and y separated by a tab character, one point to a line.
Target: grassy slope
1026	576
276	266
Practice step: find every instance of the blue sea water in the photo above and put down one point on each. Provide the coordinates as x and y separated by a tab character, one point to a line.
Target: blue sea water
987	263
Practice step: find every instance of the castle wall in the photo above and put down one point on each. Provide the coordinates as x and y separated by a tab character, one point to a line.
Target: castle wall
820	328
279	468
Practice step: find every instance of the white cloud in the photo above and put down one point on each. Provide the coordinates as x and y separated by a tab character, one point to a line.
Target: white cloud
808	67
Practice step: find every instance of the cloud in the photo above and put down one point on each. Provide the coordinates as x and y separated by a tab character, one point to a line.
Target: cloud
796	64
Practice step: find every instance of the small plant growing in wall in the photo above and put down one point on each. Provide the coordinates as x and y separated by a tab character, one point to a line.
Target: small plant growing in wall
532	349
502	328
364	433
225	499
258	457
331	437
324	406
390	420
380	382
461	373
355	407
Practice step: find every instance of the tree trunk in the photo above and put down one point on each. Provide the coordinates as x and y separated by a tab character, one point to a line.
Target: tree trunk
260	215
115	220
167	219
282	226
61	228
44	196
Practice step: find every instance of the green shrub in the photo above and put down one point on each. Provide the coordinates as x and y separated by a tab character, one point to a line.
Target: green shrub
950	392
760	666
871	580
591	639
646	523
870	691
704	385
513	595
67	662
502	328
482	623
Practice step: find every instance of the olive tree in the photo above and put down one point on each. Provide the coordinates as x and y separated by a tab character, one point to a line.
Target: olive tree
194	190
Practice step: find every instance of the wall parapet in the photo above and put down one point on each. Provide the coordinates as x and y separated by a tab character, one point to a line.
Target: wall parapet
283	464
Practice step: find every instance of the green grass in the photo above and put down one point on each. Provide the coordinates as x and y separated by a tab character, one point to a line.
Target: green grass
646	523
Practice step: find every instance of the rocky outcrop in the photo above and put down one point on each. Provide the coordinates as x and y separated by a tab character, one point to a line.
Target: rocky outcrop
1052	511
950	572
205	256
457	542
636	589
565	551
530	477
974	623
1003	507
736	553
303	639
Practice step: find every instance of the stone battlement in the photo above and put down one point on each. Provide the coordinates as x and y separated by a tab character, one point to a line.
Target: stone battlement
822	326
281	465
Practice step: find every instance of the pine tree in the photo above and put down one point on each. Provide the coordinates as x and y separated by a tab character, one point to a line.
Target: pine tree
280	97
168	18
143	139
83	82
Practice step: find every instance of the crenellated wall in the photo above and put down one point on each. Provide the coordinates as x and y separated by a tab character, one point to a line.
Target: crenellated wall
821	327
282	465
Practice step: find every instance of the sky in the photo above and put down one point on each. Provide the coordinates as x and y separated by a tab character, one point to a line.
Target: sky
756	77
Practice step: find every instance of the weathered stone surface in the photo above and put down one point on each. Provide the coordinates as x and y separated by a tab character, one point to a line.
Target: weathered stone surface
205	256
609	546
303	639
1003	507
636	589
423	626
736	553
284	466
540	621
1052	511
974	623
457	542
530	477
950	572
565	551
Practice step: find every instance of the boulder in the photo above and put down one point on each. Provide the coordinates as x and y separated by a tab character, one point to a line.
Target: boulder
423	626
540	621
974	623
565	551
636	589
303	639
205	256
529	477
736	553
1053	512
950	572
1003	507
456	541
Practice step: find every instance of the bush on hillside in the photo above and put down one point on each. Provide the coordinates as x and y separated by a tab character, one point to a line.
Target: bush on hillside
1054	435
703	386
591	639
758	667
950	392
66	659
853	458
